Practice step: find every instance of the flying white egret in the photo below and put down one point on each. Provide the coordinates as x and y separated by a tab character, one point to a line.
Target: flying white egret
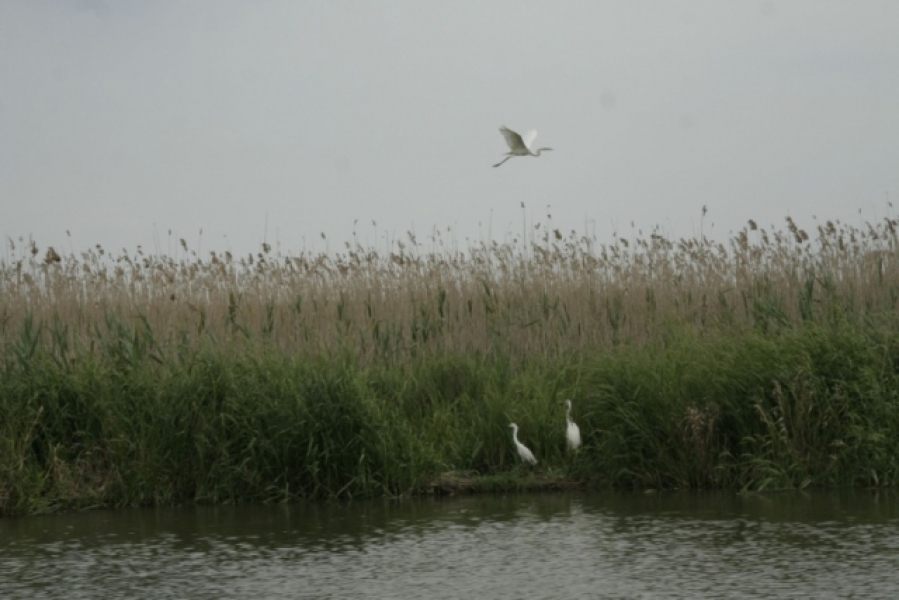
519	146
573	432
525	454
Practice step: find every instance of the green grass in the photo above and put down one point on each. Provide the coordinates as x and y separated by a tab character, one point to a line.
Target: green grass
747	409
769	361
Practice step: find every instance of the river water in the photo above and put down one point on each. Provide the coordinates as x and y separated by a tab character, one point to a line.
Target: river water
579	545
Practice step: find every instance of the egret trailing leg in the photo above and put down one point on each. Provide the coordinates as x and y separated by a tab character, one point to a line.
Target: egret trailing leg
519	146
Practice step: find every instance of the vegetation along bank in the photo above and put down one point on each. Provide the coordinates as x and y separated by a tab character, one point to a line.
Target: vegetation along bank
768	361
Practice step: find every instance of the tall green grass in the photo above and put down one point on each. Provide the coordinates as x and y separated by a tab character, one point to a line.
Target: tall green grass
147	380
790	408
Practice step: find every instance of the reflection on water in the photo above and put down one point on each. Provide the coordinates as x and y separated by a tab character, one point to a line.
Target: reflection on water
682	545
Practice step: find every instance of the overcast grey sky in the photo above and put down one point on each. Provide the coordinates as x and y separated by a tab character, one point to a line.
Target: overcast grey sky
122	120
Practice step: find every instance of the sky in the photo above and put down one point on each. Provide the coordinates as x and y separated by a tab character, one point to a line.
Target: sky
132	123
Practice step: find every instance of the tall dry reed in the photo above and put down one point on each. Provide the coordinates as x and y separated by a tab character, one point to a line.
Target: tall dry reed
555	295
769	361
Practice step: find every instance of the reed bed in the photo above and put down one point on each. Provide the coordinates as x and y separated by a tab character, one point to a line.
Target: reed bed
555	296
769	360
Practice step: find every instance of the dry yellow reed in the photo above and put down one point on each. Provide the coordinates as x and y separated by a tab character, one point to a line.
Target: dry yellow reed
554	295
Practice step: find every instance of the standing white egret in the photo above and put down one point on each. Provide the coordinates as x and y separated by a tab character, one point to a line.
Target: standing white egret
525	454
573	432
519	146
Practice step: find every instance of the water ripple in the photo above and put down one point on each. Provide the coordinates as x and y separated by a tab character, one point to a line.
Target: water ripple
596	546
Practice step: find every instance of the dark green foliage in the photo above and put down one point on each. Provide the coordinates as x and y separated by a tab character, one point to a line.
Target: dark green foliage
127	422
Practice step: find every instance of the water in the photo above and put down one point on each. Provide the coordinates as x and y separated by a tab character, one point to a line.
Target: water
610	545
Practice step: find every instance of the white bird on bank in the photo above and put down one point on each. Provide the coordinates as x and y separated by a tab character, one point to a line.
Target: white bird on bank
573	432
525	454
519	146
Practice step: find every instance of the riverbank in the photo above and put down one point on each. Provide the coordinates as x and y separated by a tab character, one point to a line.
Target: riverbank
782	408
769	361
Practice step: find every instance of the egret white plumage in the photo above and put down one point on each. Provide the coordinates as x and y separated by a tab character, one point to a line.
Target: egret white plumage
572	432
525	454
519	146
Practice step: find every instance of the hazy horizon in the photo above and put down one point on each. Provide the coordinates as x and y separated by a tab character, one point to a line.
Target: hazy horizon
122	121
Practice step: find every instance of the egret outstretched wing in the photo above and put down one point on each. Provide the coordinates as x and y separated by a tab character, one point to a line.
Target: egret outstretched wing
519	146
516	144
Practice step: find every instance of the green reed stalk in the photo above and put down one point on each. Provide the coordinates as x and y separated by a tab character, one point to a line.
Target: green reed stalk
767	362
